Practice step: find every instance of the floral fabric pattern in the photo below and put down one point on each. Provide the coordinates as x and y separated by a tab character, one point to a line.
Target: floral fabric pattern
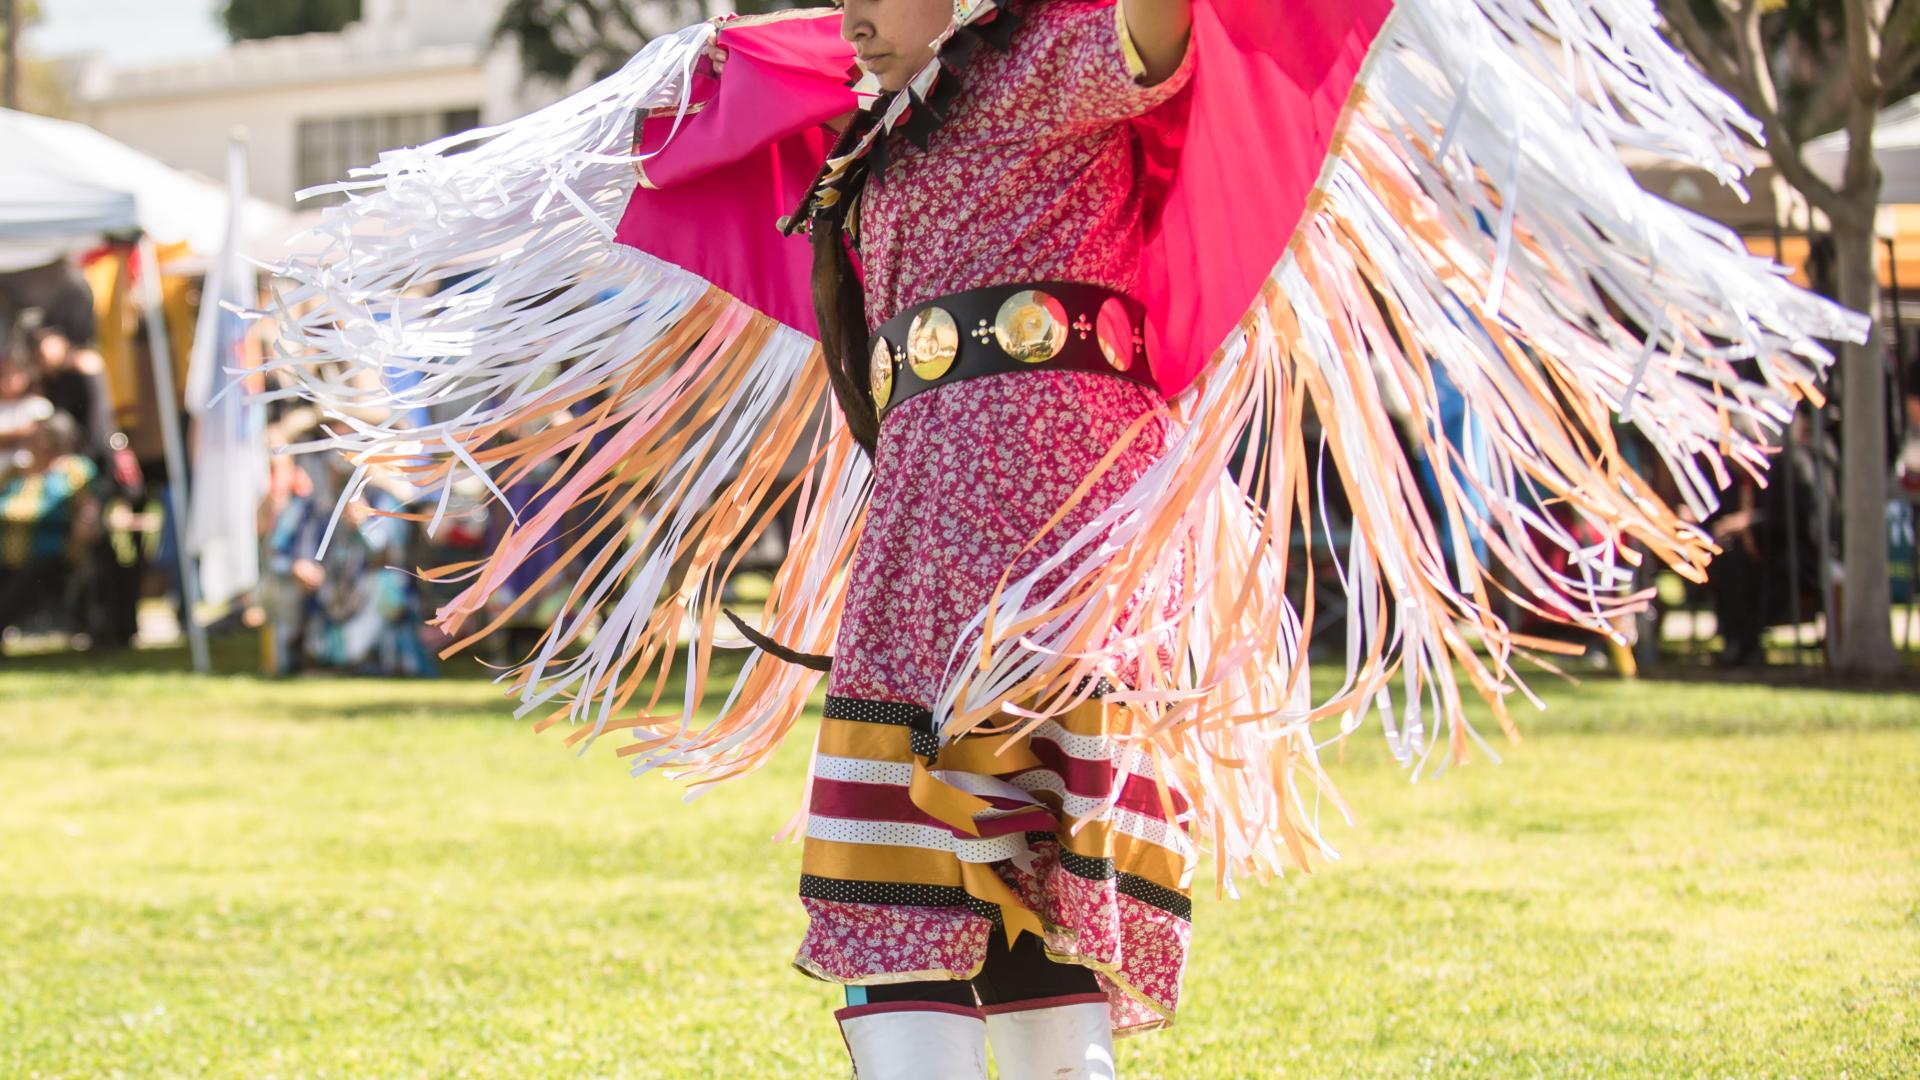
1035	176
966	474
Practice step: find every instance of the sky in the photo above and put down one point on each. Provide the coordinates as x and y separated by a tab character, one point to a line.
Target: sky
127	31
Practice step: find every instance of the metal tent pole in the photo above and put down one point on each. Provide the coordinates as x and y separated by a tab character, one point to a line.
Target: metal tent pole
1792	444
10	93
160	350
1900	427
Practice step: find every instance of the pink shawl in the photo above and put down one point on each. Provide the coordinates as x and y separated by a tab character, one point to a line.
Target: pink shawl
1265	101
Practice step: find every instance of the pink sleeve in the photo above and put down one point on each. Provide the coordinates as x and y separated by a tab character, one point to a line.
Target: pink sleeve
1077	47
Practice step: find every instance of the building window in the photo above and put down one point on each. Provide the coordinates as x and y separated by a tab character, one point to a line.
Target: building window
331	147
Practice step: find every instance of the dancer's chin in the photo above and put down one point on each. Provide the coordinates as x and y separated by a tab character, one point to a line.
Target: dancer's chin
886	70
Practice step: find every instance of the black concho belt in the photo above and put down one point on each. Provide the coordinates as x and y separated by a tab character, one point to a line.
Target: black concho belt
1047	325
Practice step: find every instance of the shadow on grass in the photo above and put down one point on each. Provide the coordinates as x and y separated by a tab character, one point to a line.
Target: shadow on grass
227	654
238	655
1691	708
1906	680
1678	703
464	690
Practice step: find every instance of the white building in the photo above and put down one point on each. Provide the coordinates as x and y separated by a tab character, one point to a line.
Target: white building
315	105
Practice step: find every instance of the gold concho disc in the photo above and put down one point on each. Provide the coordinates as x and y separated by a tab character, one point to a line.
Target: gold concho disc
880	373
933	340
1031	326
1115	331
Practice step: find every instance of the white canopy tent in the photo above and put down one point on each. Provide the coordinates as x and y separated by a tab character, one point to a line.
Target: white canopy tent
65	186
61	181
1896	146
39	213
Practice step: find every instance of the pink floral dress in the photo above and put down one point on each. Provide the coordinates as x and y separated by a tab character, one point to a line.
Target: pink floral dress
1034	176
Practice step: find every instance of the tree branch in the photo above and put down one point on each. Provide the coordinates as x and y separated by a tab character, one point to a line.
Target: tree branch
1863	39
1897	40
1901	74
1700	46
1749	80
1826	103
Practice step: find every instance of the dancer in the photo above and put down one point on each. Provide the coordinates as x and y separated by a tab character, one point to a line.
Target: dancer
1016	297
1021	217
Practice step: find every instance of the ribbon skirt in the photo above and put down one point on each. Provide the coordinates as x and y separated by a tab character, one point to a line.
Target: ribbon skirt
915	852
898	887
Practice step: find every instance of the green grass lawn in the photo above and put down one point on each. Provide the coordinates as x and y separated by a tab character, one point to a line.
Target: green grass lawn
228	876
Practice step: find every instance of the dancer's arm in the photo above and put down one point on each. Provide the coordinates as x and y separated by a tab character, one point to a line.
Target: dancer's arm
1159	30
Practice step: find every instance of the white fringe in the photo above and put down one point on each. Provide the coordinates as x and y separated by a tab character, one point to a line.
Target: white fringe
553	308
423	215
1542	120
1508	137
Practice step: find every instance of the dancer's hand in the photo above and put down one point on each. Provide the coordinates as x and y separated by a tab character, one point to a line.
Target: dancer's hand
311	575
716	56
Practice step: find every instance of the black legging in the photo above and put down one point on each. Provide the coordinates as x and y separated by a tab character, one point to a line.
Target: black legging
1022	973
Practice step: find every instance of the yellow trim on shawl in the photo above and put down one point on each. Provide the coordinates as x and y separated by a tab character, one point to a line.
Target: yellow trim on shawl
1135	66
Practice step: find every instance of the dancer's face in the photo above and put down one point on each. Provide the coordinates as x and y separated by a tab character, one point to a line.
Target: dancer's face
894	38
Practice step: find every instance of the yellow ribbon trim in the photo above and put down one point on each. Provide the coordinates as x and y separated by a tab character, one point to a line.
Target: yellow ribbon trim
959	809
944	801
1136	66
981	881
988	755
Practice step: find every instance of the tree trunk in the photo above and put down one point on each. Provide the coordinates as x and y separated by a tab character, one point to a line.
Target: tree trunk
11	92
1864	644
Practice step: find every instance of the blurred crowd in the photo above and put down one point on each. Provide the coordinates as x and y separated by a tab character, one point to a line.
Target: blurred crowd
69	482
90	532
87	530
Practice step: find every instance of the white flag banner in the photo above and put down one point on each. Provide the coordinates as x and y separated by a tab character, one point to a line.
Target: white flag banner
229	431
